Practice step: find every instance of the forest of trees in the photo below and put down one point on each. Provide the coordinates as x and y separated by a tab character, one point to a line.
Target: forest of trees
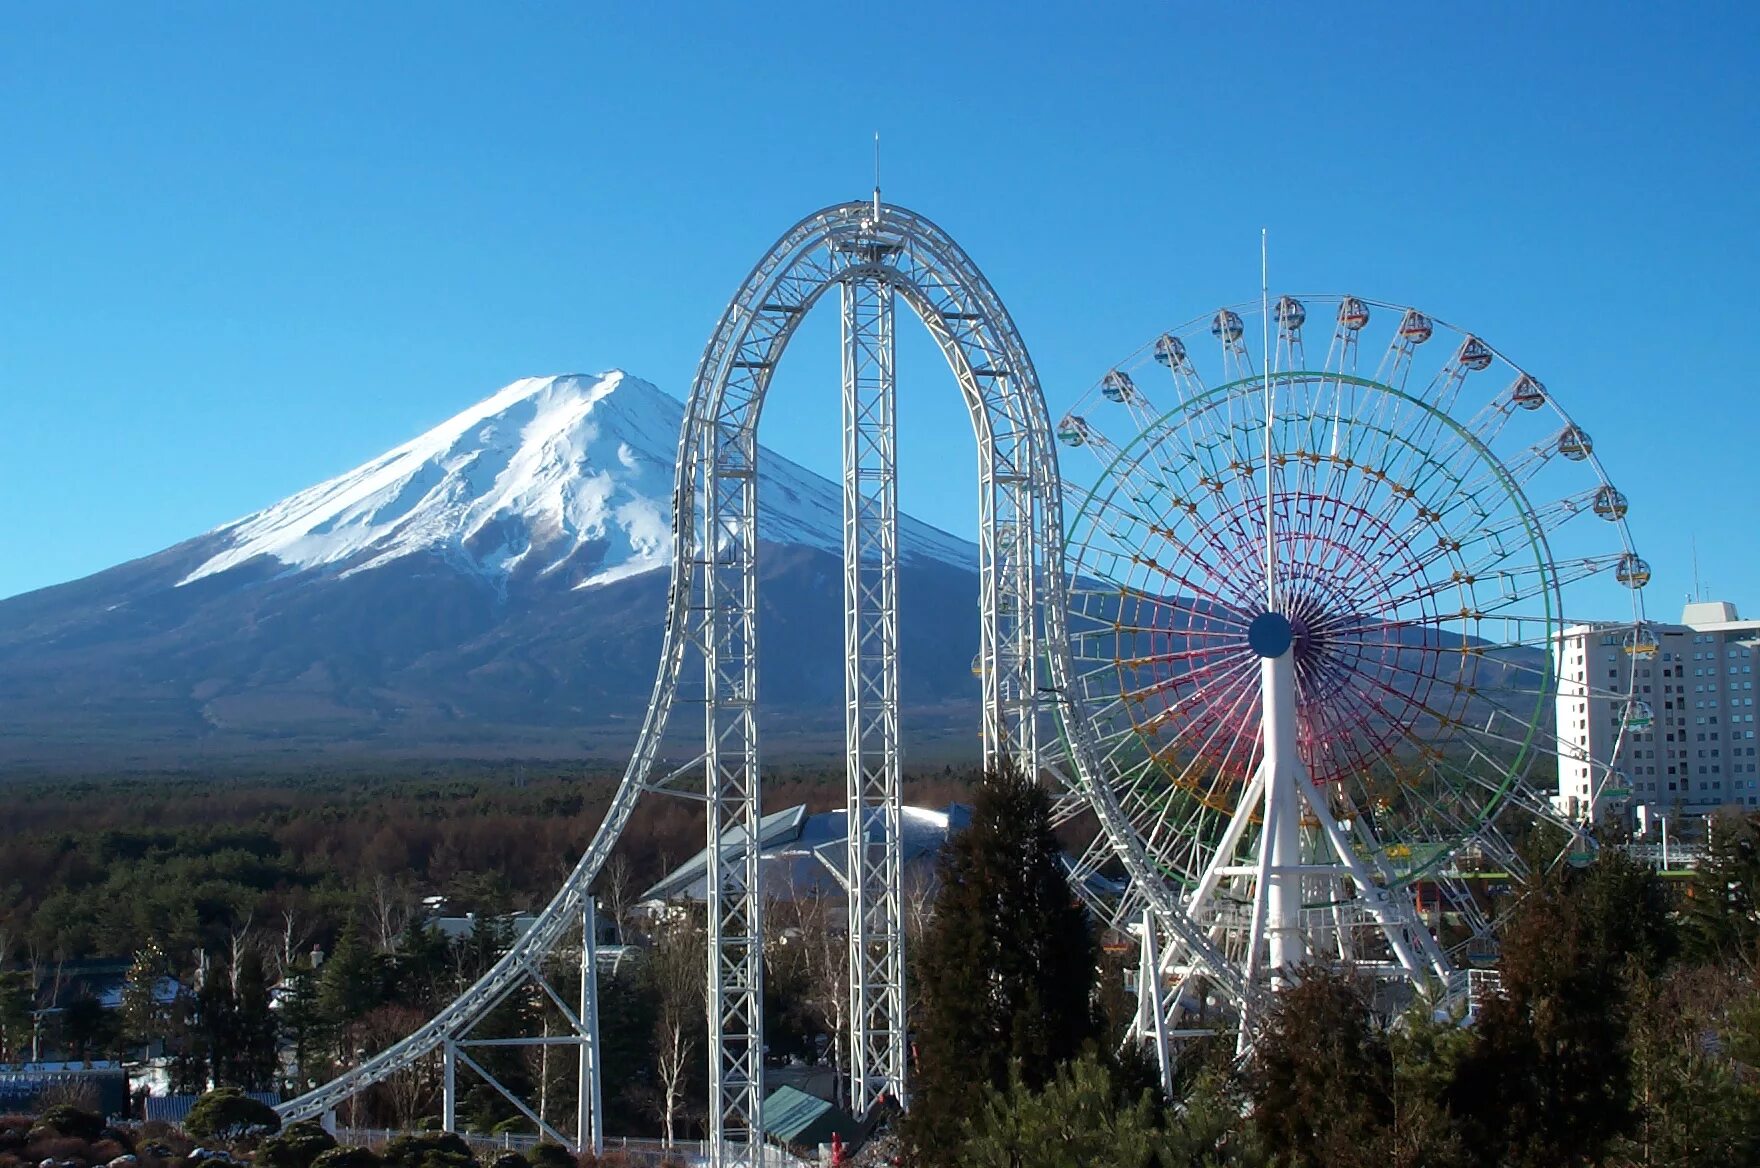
233	890
1627	1030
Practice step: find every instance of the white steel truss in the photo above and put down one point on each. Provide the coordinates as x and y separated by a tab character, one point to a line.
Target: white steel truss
879	253
874	867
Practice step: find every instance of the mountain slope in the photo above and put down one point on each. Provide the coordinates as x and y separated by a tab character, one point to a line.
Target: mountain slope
493	587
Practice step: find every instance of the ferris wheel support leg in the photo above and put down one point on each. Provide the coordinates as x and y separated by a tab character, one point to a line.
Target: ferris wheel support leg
1221	858
1284	776
1398	927
1152	1001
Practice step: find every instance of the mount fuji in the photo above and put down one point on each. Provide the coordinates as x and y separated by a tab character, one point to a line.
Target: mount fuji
493	588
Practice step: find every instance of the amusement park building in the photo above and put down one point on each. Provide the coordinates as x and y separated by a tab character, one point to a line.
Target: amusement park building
1688	742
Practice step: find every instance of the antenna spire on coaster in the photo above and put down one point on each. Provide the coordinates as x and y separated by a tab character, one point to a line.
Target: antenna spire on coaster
876	176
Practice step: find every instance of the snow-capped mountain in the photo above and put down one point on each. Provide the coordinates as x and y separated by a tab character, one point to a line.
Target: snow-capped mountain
494	587
569	474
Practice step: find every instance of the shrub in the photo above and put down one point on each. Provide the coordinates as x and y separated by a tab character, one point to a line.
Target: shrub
72	1121
429	1150
510	1160
228	1114
295	1146
348	1158
107	1150
552	1156
60	1148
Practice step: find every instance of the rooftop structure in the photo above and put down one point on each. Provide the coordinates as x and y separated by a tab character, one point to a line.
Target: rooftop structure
802	854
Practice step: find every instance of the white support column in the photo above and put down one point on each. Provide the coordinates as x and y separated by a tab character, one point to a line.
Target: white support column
1152	1002
589	1124
1285	779
449	1087
873	769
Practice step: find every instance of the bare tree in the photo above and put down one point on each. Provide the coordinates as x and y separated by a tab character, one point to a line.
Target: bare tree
616	890
241	941
293	943
412	1091
677	966
391	912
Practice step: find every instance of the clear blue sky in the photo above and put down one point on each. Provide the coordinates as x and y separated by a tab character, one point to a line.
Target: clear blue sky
244	247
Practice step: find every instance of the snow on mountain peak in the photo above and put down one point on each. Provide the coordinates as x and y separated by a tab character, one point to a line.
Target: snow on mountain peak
571	473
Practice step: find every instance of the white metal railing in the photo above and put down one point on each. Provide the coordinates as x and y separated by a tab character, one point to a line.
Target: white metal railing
638	1152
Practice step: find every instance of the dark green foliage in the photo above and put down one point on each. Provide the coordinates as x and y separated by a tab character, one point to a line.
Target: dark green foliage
1080	1118
249	1059
1006	969
1322	1077
17	997
295	1146
228	1114
351	981
1547	1083
348	1158
1722	912
1696	1103
429	1150
547	1155
67	1120
144	1019
510	1160
87	1030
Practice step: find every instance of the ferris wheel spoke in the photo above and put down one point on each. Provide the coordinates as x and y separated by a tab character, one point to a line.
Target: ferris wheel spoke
1231	714
1208	584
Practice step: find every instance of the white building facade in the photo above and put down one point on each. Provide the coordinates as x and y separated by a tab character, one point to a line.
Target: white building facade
1660	718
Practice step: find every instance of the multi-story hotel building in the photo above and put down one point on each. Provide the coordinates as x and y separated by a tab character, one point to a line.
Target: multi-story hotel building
1683	743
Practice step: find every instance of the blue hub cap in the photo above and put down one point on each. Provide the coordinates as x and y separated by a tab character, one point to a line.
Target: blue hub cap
1270	634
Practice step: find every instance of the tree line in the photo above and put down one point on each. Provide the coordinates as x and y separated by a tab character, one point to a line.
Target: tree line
1626	1032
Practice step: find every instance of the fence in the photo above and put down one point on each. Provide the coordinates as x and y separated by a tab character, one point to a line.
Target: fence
636	1152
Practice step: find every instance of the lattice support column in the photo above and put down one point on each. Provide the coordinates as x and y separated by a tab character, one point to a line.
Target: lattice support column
728	541
870	637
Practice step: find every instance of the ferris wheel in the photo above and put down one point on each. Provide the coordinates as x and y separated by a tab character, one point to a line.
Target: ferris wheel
1316	600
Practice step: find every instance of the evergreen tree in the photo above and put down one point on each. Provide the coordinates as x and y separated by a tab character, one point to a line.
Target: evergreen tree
1547	1084
217	1025
145	1019
17	997
189	1053
1078	1120
1722	912
349	986
306	1027
253	1057
1006	969
1322	1077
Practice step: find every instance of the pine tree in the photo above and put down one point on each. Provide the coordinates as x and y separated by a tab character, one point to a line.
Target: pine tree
217	1026
144	1019
307	1028
1007	966
349	985
254	1054
1548	1081
1082	1117
1722	911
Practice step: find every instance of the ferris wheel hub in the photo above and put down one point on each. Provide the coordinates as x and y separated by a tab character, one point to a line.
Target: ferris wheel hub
1270	635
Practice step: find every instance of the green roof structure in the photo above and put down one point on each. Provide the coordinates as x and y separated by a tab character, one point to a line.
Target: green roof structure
794	1117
